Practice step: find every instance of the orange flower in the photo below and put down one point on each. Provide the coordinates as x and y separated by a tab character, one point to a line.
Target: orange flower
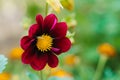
59	73
107	49
71	60
5	76
16	53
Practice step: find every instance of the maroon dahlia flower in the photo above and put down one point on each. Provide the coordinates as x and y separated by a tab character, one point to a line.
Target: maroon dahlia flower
45	40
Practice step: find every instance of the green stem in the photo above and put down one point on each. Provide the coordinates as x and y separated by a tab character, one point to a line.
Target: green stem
102	61
46	10
41	75
49	72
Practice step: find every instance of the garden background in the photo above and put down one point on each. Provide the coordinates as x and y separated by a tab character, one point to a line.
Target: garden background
91	24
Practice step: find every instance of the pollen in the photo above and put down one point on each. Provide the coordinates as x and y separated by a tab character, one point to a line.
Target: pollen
44	42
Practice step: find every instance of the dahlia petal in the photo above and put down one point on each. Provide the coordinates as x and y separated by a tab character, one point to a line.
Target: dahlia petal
27	55
49	22
39	61
55	50
39	19
34	30
26	42
59	30
63	44
52	60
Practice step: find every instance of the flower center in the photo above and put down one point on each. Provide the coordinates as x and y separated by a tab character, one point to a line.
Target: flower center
44	42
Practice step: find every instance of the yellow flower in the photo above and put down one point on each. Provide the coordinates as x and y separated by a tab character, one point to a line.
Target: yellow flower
16	53
68	4
5	76
71	60
59	73
55	4
15	77
107	49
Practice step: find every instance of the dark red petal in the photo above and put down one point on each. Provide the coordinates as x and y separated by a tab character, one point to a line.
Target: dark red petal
34	30
52	60
39	62
63	44
59	30
28	55
26	42
49	22
55	50
39	19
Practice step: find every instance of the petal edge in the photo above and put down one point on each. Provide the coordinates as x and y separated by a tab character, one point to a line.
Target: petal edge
59	30
39	62
63	44
52	60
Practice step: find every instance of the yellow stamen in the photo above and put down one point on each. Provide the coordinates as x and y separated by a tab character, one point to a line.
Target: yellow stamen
44	42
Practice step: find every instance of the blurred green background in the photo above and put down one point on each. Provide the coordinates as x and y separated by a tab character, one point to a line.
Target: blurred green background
91	23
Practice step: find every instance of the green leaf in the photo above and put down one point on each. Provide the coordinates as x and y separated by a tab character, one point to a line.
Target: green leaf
3	62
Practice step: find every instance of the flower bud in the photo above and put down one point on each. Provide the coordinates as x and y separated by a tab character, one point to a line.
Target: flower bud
68	4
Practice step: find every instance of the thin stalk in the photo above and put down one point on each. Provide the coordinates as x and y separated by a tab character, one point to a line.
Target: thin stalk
46	9
102	61
41	75
48	74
